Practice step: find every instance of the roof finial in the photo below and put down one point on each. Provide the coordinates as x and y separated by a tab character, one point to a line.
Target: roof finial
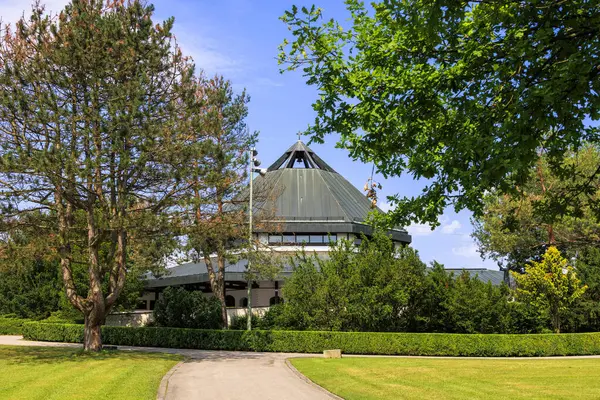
299	134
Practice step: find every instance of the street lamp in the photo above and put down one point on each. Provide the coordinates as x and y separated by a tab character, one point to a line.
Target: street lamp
253	167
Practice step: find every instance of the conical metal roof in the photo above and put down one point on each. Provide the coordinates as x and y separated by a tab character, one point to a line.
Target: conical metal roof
308	195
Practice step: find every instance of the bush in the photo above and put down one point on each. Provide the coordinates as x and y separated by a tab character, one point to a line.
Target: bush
414	344
9	325
179	308
240	322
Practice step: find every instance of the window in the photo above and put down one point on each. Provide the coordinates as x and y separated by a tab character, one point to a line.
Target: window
152	304
142	305
275	300
229	301
331	238
317	239
273	239
244	302
289	238
302	239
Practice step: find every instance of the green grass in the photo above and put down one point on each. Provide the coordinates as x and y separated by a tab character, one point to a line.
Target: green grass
63	373
429	378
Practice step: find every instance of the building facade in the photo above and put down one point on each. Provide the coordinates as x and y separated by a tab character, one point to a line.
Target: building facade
308	205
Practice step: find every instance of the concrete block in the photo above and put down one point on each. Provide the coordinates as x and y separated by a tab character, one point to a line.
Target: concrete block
337	353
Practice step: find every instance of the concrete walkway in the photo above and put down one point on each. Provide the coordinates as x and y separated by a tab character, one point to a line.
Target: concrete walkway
222	374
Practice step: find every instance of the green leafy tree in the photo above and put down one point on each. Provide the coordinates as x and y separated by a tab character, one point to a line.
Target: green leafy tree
584	314
94	104
460	93
179	308
514	229
550	284
368	288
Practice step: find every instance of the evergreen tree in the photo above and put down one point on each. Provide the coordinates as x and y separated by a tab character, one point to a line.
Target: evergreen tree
94	104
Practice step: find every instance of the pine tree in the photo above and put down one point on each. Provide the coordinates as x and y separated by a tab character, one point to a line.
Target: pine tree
93	111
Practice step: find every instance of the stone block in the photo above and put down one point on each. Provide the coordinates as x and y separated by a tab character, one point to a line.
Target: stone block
337	353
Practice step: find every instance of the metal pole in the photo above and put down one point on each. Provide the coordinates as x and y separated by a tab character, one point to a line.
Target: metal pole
249	313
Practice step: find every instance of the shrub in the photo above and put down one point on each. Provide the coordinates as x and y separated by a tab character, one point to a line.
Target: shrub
179	308
9	325
415	344
240	322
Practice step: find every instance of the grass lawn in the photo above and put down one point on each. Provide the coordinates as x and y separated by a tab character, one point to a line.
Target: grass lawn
428	378
63	373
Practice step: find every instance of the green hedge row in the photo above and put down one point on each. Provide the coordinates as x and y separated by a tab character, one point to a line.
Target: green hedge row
416	344
12	326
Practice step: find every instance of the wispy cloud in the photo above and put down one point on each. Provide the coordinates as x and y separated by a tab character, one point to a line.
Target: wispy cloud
12	10
451	227
207	53
468	251
419	229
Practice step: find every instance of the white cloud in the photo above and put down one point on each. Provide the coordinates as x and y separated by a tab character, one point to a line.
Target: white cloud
12	10
419	229
468	251
451	227
206	53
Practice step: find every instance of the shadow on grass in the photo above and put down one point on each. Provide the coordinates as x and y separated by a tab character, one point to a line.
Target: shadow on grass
53	355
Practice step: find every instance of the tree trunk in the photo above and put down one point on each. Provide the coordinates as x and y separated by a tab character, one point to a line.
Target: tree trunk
92	337
221	297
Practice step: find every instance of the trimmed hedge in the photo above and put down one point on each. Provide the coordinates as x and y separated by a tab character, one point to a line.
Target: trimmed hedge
12	326
414	344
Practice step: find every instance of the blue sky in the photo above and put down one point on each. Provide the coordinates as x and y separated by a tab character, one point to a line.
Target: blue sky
238	39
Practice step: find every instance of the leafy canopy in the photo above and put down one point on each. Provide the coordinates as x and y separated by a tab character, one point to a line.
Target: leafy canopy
460	93
550	284
514	229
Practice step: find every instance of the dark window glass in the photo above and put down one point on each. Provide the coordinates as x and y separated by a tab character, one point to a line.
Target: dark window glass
274	238
289	238
302	239
316	239
332	238
244	302
152	304
357	242
274	300
142	304
229	301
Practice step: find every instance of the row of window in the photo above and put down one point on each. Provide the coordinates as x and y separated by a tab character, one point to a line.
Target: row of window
312	239
291	238
230	301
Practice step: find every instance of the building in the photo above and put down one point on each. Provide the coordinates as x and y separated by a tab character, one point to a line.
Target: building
312	204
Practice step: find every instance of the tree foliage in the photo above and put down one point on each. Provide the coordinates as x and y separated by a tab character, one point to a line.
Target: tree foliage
463	94
514	229
550	284
364	289
179	308
94	115
215	226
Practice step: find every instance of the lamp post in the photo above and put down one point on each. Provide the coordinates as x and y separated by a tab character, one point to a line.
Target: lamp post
253	167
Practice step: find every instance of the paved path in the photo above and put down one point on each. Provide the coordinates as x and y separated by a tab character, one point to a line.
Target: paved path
222	374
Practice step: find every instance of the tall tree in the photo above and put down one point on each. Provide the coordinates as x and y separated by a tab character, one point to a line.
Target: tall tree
91	104
217	226
514	229
550	284
462	93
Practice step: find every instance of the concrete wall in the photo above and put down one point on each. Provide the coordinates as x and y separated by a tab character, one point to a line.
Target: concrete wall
133	318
